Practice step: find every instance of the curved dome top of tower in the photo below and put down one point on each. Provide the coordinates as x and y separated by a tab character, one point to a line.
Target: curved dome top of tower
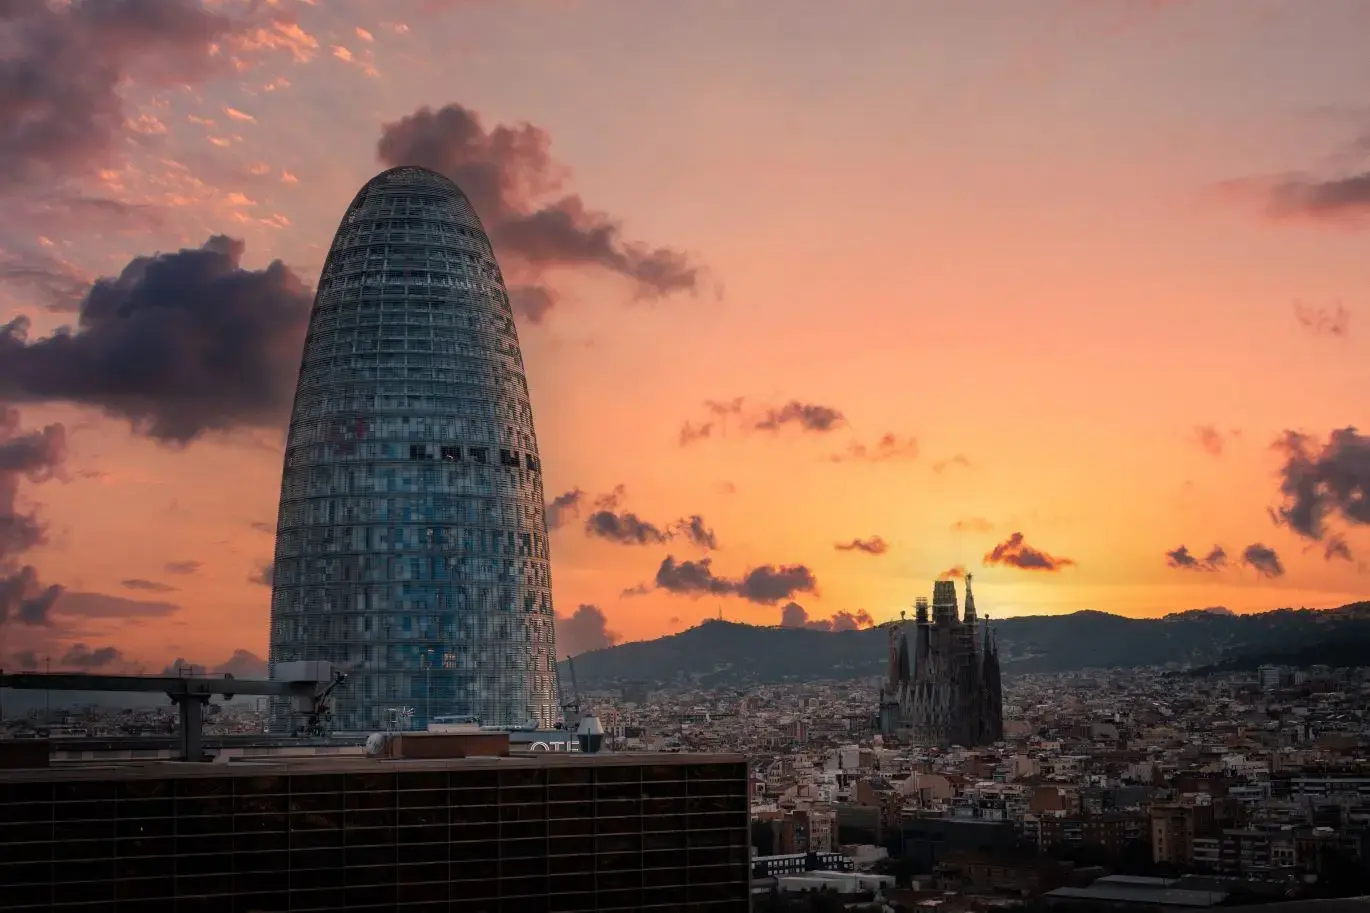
412	180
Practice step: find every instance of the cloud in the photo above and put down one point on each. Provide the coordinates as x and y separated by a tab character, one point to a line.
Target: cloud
890	447
56	285
1262	560
561	507
955	572
584	630
514	184
265	574
1320	482
1213	440
243	664
1325	321
808	417
873	545
794	615
1014	552
102	605
84	658
805	416
1336	547
972	525
183	567
626	528
1331	199
959	460
765	585
694	530
1180	559
151	586
65	64
35	456
24	660
179	344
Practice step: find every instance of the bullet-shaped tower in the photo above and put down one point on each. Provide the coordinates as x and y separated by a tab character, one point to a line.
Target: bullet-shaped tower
411	540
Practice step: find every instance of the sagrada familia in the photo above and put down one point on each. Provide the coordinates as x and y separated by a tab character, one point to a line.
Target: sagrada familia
944	686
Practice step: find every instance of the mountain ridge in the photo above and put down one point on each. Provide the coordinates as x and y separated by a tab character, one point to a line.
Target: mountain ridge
725	653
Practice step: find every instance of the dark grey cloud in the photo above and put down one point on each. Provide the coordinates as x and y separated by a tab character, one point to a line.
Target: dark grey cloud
183	567
243	664
564	505
82	657
567	505
1324	320
626	528
765	585
1333	198
25	661
63	65
179	344
150	586
809	417
265	575
1263	560
1213	440
1324	481
1015	552
1181	559
516	187
584	630
75	605
532	302
692	528
1336	547
806	416
54	283
873	545
719	411
33	456
794	615
959	461
889	447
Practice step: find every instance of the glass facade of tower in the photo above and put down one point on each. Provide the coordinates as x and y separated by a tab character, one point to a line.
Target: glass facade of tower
411	542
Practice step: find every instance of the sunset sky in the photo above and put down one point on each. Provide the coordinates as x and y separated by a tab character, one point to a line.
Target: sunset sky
1039	290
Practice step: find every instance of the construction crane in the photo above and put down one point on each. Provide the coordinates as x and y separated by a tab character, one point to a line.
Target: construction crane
571	708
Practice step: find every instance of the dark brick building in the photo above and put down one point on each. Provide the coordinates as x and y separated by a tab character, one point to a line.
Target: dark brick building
546	832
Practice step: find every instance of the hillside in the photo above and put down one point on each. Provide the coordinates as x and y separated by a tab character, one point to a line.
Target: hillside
724	653
1348	648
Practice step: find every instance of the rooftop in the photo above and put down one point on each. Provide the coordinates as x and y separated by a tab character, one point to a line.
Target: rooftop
335	764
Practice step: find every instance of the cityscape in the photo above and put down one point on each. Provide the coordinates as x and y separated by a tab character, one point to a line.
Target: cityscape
429	584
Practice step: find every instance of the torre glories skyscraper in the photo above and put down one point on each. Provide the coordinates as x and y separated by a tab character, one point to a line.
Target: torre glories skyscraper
411	542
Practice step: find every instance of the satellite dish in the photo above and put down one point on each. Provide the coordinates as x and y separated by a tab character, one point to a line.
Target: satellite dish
376	744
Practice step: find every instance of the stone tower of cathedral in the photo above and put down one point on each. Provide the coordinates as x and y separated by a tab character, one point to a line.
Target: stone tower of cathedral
943	687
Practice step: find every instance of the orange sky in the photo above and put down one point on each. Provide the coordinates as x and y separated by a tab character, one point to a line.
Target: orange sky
1050	242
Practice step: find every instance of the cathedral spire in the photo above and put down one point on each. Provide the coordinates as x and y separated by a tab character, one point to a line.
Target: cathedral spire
970	602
